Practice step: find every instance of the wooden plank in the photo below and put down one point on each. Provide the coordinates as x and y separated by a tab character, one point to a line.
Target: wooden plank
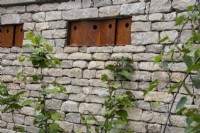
123	36
6	37
19	35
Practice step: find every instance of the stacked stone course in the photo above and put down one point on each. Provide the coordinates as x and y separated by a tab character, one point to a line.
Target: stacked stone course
81	67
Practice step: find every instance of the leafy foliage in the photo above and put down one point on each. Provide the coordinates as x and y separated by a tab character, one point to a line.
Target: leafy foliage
115	105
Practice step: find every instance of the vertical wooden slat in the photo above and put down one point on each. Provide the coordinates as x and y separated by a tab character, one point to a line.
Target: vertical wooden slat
6	37
19	35
123	35
76	33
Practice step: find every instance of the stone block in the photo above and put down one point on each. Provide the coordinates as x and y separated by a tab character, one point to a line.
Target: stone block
70	5
10	19
53	104
53	15
133	9
109	11
96	65
73	117
39	17
80	56
143	38
49	7
160	6
158	97
181	5
99	3
70	106
140	26
95	109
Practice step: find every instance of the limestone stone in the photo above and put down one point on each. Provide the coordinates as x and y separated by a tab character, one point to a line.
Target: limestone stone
63	80
66	64
29	120
149	66
28	111
80	56
80	82
130	85
99	73
162	76
33	87
154	128
33	8
171	34
170	16
99	3
124	1
143	38
178	67
26	17
140	26
2	10
57	24
144	57
133	9
84	108
140	76
70	49
137	126
28	26
75	72
57	33
66	126
159	118
177	77
181	5
160	6
185	35
109	11
11	70
156	17
73	117
99	49
101	56
147	116
159	26
80	14
173	129
89	74
53	15
134	114
70	106
19	119
15	9
55	72
128	48
80	64
10	19
53	104
39	17
77	97
49	7
7	117
42	26
32	129
70	5
115	56
158	97
96	65
60	42
140	18
97	83
61	56
87	3
94	99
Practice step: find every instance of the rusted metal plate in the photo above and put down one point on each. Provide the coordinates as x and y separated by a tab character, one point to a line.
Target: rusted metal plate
123	36
6	35
107	33
76	33
19	35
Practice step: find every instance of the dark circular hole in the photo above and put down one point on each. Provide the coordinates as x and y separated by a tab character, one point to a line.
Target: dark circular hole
21	30
110	26
127	25
94	27
7	31
75	28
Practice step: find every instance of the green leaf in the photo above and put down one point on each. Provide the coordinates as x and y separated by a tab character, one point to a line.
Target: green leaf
196	80
124	73
48	47
30	35
174	87
122	113
56	116
163	39
27	102
22	58
158	58
54	127
119	122
151	87
180	20
104	78
187	89
181	103
188	59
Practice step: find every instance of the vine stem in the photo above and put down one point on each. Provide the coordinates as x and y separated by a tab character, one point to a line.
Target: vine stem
173	101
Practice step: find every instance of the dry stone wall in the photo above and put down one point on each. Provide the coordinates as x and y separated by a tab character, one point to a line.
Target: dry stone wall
81	67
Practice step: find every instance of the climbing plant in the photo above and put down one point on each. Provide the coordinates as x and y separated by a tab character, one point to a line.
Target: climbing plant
190	53
40	59
115	105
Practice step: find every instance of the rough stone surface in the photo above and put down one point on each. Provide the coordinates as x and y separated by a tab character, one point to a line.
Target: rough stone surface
10	19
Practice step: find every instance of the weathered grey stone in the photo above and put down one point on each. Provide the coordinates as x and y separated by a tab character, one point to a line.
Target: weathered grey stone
80	56
162	76
11	70
53	104
80	13
139	18
89	74
137	126
171	34
154	128
10	19
156	17
94	99
173	130
75	72
185	35
99	3
80	82
142	38
70	49
77	97
179	121
55	72
181	5
101	56
66	64
109	11
2	10
99	49
29	120
60	42
99	73
26	17
15	9
66	126
49	7
133	9
130	85
28	26
69	106
144	57
61	56
159	26
96	65
149	66
140	26
154	48
134	114
115	56
53	15
177	77
84	108
70	5
124	1
97	83
158	97
57	24
39	17
19	119
58	33
42	26
147	116
160	6
87	3
73	117
80	64
7	117
34	87
170	16
141	76
178	67
28	111
33	8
